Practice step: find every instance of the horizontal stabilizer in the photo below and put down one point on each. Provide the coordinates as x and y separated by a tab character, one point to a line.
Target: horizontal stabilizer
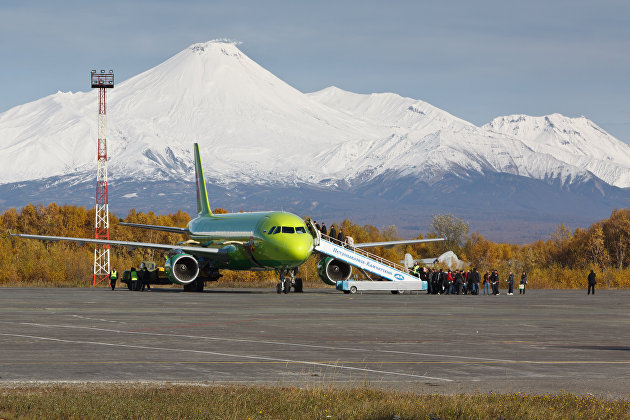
391	244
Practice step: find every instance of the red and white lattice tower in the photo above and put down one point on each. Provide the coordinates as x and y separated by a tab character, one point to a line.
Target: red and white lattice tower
102	81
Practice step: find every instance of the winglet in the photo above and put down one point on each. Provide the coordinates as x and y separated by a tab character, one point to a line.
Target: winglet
203	207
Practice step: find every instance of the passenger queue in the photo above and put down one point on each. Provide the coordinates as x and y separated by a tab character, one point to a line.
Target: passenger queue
440	282
456	282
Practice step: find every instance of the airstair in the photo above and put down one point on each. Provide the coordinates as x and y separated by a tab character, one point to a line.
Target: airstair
371	263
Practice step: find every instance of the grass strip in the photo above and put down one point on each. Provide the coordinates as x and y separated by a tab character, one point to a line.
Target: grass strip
164	401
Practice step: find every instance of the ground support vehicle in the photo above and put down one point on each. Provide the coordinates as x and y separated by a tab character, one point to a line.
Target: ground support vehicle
396	287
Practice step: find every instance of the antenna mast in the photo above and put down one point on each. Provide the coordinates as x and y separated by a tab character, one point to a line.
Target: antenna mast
102	81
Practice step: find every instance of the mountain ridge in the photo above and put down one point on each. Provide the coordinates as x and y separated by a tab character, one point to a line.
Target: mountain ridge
255	130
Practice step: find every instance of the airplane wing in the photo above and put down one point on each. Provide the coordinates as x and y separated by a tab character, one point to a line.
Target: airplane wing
391	244
193	250
169	229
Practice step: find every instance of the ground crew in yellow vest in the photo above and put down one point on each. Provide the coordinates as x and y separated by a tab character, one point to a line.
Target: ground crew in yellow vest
113	276
133	276
415	270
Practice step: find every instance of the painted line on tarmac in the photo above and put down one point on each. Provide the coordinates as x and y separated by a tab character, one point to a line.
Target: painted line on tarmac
273	362
265	358
281	343
276	343
98	319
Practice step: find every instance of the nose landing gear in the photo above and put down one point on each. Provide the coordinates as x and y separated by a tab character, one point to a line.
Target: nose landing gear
284	285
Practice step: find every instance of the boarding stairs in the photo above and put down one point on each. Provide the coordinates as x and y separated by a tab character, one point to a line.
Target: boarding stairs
365	261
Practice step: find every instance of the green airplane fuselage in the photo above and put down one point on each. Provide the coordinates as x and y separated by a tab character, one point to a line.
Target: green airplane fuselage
260	241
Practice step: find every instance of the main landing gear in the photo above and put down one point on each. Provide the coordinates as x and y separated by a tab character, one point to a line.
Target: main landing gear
196	286
285	284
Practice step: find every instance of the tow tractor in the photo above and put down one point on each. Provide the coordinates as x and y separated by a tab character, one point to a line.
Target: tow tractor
156	275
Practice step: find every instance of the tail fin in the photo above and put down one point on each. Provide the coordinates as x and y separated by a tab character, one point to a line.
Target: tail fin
203	207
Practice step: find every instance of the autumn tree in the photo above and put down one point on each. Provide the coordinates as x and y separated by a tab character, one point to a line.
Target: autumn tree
616	231
454	228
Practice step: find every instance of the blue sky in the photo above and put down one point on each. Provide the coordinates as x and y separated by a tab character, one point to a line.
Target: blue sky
474	59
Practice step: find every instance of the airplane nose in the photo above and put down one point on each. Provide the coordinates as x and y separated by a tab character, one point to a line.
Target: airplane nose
299	252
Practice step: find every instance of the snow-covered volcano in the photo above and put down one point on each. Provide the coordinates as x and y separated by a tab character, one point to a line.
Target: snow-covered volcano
253	128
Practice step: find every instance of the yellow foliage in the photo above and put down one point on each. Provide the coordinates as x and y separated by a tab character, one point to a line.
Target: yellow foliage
560	262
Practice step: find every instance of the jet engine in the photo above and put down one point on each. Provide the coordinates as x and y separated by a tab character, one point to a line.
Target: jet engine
181	269
331	270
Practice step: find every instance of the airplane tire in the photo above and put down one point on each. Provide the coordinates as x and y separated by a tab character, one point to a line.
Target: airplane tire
129	285
298	285
287	286
279	288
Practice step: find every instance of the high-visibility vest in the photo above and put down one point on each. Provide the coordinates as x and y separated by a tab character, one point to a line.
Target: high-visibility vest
113	275
133	275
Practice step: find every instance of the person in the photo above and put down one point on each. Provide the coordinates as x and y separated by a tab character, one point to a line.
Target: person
470	288
350	242
333	232
435	280
486	283
591	282
317	226
459	281
521	287
415	270
113	276
145	279
426	276
510	281
341	237
448	283
133	277
324	229
494	279
475	281
440	282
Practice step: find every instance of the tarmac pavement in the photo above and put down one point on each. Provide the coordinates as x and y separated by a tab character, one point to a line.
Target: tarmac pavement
547	341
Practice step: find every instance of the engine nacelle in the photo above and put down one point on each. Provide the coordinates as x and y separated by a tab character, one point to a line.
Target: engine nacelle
181	269
331	270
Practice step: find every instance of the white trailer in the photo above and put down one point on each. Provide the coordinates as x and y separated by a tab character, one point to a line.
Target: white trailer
400	286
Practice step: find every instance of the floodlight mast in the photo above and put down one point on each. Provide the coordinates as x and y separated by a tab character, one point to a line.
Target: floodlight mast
102	81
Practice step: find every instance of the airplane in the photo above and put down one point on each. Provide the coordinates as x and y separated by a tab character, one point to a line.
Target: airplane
256	241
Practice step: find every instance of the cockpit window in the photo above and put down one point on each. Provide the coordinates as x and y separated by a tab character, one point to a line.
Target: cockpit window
271	230
288	229
300	229
277	230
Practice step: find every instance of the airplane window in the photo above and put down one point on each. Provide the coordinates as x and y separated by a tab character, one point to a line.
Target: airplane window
277	230
300	229
271	230
288	229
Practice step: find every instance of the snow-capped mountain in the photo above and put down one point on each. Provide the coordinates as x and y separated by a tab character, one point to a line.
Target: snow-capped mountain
254	129
427	142
576	141
250	124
